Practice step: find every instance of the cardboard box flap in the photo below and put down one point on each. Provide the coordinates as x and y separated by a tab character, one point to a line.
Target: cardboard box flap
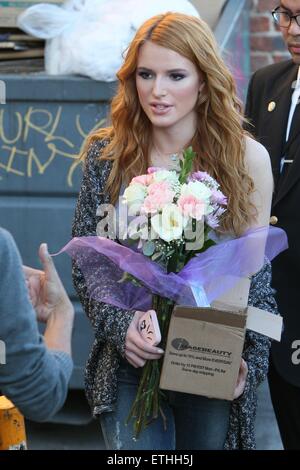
235	298
265	323
212	315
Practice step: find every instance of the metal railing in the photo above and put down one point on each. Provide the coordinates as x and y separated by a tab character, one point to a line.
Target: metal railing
233	35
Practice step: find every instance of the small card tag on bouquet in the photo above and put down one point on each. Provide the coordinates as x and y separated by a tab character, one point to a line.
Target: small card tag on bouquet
200	296
149	328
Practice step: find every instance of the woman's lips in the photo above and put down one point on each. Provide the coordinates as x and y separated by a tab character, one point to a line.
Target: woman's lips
160	109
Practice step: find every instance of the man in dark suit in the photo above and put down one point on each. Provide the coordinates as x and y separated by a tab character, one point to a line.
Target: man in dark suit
274	110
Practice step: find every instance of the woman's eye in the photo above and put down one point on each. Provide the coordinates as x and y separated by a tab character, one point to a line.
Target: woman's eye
145	75
177	76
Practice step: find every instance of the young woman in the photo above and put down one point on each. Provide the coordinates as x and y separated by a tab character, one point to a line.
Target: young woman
174	91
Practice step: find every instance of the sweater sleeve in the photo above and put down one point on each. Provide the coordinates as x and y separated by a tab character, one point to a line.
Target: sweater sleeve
241	433
110	324
34	378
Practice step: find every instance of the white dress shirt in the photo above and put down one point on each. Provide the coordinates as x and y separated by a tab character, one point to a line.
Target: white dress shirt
294	102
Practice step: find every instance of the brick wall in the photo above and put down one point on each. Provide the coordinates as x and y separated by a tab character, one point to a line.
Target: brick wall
267	45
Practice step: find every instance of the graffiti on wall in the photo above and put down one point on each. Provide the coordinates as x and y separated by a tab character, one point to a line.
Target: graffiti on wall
43	127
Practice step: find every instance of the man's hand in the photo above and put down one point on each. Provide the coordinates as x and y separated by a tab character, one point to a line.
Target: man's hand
241	381
45	288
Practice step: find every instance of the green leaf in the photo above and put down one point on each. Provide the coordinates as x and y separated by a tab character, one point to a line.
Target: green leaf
187	164
156	256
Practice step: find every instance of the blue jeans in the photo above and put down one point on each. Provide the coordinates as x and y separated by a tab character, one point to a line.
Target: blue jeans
193	422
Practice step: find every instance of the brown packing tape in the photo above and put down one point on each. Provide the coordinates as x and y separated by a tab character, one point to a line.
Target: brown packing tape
212	315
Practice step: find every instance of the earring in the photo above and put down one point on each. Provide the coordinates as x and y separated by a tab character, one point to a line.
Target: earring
201	86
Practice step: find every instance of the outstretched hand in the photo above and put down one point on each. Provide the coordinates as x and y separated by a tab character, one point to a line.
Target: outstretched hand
46	291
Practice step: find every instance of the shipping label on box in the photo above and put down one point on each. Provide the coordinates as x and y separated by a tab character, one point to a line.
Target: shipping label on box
203	351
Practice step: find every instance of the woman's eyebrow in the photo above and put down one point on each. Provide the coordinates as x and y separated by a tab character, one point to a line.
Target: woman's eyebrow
168	71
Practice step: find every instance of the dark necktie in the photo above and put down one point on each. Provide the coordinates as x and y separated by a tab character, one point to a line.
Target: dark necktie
295	126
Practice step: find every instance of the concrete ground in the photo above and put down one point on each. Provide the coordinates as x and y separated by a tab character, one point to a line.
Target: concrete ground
83	434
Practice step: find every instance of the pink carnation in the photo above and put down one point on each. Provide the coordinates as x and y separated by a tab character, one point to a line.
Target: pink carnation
160	187
159	195
191	207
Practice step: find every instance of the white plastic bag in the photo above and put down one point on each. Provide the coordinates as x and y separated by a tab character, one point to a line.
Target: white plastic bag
88	37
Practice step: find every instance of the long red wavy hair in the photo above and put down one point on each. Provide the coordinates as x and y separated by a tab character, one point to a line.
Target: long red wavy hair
219	140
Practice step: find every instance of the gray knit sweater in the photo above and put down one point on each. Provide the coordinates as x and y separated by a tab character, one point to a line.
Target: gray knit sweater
110	324
33	378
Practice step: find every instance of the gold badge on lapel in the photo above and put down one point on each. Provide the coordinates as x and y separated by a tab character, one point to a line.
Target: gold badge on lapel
271	106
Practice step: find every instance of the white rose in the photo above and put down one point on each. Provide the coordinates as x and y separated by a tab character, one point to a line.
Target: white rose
135	195
169	224
196	189
165	175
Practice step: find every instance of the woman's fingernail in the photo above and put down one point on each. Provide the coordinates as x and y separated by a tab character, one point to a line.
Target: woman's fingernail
160	351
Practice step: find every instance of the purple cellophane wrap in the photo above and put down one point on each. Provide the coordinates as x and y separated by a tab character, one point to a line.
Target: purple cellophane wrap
103	262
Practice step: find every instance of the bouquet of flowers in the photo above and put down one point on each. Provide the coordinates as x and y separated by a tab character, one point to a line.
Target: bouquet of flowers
176	215
177	258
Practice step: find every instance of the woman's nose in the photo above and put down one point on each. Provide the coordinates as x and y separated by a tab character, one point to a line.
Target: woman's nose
159	88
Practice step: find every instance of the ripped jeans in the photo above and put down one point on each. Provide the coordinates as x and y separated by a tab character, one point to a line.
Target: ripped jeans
193	422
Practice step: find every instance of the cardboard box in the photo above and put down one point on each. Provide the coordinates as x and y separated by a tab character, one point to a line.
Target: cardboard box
205	345
9	10
203	352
